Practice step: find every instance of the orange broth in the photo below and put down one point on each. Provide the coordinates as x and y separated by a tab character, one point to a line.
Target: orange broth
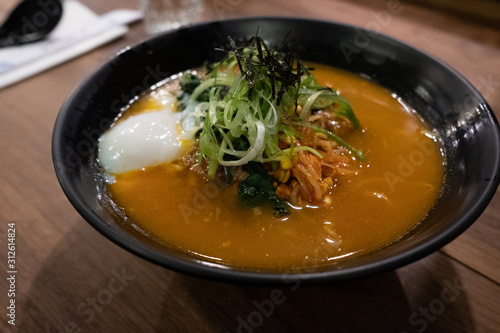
383	198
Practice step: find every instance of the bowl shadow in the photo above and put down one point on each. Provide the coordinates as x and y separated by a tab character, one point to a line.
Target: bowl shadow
389	302
92	285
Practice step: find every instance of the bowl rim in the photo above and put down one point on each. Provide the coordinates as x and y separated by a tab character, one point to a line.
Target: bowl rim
263	277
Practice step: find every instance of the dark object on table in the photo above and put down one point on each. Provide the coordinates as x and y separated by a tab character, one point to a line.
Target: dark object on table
30	21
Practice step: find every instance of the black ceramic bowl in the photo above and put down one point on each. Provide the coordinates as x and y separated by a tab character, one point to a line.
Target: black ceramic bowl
443	98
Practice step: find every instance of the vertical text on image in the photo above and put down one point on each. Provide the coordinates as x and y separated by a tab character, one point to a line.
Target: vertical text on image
11	272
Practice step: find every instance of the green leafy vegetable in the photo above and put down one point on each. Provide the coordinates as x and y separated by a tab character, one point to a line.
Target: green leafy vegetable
258	190
189	83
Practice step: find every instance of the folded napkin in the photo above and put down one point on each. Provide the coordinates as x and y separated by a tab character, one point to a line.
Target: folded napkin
80	30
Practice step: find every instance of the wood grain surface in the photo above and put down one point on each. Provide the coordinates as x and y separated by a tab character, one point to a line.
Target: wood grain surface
72	279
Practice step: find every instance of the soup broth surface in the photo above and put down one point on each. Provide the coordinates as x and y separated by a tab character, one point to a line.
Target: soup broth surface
375	204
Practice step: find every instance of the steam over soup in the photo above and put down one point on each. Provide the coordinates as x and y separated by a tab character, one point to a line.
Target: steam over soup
272	171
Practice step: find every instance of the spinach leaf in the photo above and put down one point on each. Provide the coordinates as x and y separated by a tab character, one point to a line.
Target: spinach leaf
189	83
258	190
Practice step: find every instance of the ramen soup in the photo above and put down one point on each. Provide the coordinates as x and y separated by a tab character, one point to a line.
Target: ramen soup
379	187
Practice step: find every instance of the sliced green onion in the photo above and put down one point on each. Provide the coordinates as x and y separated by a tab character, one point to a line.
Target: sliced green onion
257	147
247	112
304	113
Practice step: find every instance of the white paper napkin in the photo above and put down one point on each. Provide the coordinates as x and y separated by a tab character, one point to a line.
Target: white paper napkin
80	30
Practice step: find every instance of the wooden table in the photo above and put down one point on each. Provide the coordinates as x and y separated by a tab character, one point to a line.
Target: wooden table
71	279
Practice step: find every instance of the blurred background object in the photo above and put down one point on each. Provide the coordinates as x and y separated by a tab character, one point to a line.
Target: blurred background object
483	11
80	30
162	15
30	21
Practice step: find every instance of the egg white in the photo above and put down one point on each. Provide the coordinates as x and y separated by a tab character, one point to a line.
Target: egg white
143	140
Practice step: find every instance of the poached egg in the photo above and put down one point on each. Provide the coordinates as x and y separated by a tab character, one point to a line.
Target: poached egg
143	140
